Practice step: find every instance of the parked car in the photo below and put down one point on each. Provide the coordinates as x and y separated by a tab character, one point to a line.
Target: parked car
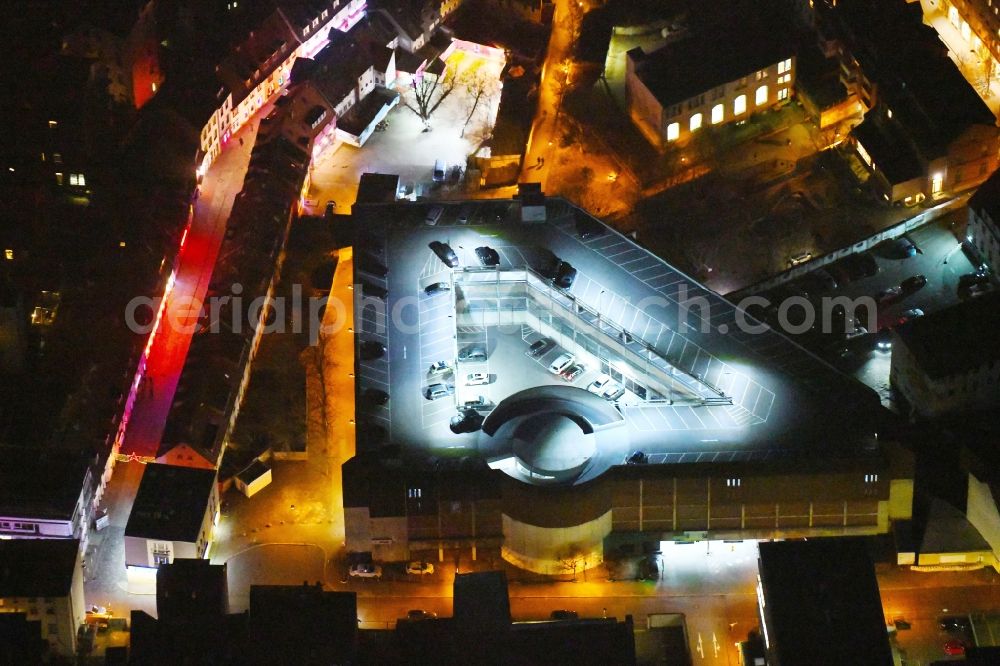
373	290
488	256
464	213
799	259
897	248
438	368
912	313
565	275
976	290
563	615
374	397
539	347
954	648
437	288
819	280
890	294
368	264
444	253
372	350
598	385
440	168
366	570
970	279
954	623
614	392
561	362
467	420
439	390
637	458
417	614
913	283
477	379
572	372
433	215
858	331
472	354
480	403
419	568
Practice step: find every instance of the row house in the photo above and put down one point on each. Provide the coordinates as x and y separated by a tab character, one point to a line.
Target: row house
926	130
983	232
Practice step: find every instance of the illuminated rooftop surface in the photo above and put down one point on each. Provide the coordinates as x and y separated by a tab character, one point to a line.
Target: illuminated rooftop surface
700	386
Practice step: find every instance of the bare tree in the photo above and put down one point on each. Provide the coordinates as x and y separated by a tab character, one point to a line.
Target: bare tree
427	94
479	89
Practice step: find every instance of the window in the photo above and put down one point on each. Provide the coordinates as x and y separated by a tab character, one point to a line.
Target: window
734	482
695	122
414	493
740	105
673	131
305	30
77	180
718	92
761	97
783	93
760	75
784	66
673	110
695	102
717	112
871	478
784	78
161	553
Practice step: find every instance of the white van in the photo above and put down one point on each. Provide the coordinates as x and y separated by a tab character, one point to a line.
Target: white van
562	362
434	214
439	170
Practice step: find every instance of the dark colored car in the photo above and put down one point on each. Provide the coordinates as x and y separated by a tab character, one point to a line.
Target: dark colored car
969	280
913	283
572	372
637	458
369	265
374	397
467	420
565	275
473	354
897	248
819	280
954	623
437	288
371	350
444	253
369	289
488	256
539	347
563	615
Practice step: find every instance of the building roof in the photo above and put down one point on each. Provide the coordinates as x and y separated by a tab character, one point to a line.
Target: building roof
191	588
987	198
377	188
821	603
40	483
695	63
361	115
171	503
887	143
956	340
38	567
481	601
303	624
253	471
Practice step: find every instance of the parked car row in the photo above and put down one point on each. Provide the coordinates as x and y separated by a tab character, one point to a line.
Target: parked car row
607	388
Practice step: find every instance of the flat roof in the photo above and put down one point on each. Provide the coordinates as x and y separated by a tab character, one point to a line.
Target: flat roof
170	503
821	603
40	483
38	567
740	395
956	340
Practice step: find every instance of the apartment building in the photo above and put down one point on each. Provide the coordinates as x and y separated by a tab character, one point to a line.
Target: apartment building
691	82
949	361
983	232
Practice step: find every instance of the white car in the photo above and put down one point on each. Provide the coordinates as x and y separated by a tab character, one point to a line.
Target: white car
369	570
477	379
562	362
598	385
419	568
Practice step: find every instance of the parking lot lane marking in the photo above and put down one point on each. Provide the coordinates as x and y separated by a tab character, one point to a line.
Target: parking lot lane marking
633	414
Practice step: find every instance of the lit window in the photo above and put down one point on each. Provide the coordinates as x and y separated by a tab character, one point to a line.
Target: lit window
717	112
888	112
734	482
783	93
673	131
695	122
740	105
153	86
77	180
59	178
761	97
8	254
414	493
53	123
784	78
864	154
784	66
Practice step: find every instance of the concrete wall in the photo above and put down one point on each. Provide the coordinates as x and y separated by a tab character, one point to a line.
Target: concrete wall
982	512
984	235
553	550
